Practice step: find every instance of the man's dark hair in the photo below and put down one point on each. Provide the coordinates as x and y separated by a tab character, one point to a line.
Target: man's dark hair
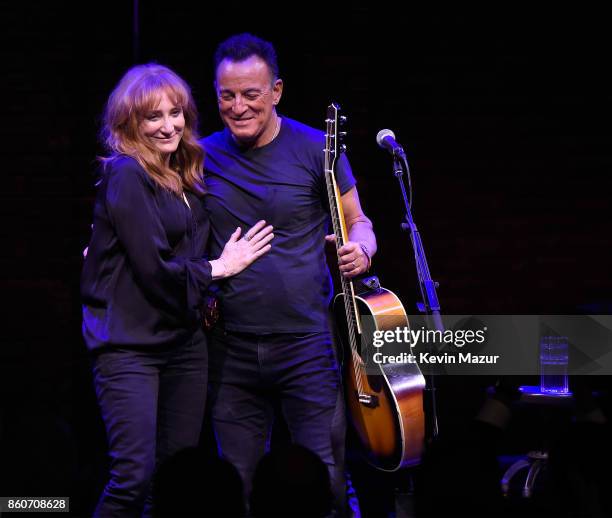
291	480
241	47
192	482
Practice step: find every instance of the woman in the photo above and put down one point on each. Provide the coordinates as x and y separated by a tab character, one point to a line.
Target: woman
144	281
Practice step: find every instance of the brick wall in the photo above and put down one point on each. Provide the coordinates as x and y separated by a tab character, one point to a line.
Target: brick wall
505	120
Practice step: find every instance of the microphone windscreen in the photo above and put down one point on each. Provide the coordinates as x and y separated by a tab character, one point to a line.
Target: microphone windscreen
382	134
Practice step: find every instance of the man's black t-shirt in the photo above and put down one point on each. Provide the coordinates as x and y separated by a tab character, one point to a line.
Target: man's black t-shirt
287	290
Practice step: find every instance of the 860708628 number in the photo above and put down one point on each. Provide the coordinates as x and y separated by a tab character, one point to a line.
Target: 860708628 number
39	504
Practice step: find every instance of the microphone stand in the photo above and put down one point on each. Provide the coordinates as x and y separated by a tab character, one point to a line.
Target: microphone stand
430	305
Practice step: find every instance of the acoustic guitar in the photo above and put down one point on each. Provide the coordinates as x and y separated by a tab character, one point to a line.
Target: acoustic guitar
385	400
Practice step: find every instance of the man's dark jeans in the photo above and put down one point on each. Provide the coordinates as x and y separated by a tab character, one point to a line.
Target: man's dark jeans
248	372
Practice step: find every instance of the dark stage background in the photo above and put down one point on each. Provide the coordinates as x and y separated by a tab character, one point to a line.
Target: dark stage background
505	116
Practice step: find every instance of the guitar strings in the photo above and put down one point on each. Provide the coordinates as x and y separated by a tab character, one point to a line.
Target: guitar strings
350	310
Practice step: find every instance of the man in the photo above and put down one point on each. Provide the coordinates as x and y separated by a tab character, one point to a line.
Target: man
274	340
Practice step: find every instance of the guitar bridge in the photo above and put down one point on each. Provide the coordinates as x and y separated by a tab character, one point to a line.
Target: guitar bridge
369	400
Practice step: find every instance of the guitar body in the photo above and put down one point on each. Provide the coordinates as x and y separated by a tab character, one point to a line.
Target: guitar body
391	427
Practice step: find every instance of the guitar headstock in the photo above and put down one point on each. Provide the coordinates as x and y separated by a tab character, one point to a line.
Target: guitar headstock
334	135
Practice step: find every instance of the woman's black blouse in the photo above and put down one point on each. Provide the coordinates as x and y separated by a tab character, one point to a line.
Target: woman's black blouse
145	275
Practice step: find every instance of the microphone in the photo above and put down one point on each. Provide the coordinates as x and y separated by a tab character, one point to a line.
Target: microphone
386	140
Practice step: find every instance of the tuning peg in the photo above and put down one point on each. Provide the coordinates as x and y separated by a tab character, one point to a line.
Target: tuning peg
343	148
342	134
342	120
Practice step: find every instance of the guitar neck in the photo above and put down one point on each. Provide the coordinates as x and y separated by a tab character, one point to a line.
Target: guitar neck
337	214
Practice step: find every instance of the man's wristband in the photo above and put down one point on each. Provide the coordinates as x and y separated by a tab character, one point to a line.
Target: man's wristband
367	254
